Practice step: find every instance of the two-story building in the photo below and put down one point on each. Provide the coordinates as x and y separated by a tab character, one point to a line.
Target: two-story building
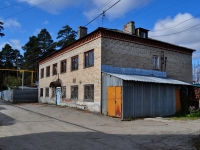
117	73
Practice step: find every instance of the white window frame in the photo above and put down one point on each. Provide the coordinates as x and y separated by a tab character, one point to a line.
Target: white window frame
156	62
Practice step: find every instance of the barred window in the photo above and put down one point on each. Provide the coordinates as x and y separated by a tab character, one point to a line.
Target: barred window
54	69
64	91
74	92
63	66
48	71
89	58
74	61
41	92
89	92
42	73
53	92
46	92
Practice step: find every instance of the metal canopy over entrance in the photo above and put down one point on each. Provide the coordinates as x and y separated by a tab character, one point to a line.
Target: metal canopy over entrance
55	84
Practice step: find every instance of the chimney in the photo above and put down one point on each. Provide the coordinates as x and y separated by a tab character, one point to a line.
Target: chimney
129	28
82	31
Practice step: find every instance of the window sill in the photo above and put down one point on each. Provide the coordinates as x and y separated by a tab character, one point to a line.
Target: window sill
88	67
74	70
62	72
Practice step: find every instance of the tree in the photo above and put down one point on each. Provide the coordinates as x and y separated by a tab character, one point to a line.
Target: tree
12	82
7	57
46	44
66	36
196	73
1	28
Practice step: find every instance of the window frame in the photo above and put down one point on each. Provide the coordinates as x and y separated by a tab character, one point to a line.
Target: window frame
73	68
87	64
64	92
53	92
54	69
42	73
46	92
75	93
86	94
61	68
156	62
41	92
48	71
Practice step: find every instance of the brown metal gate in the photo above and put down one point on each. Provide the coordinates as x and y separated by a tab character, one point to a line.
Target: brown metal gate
114	101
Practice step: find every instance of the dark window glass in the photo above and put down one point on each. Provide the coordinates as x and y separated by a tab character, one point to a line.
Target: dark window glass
54	69
64	91
74	63
41	92
74	92
47	92
89	59
48	71
89	92
42	73
63	66
53	91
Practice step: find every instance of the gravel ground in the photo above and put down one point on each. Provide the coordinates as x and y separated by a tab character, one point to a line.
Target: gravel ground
49	127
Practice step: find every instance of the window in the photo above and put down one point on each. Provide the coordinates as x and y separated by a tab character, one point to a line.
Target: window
155	62
74	92
89	58
54	69
48	71
41	92
89	92
74	63
46	92
143	34
63	66
53	92
42	73
64	91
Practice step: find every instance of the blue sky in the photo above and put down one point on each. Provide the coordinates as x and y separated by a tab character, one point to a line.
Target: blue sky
174	21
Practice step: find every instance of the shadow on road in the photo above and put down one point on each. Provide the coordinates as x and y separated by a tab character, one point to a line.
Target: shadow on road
5	120
95	140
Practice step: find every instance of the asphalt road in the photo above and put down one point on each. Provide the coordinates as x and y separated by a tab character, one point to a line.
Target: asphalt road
48	127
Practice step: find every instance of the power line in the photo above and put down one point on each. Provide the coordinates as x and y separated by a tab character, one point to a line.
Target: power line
14	4
103	12
94	13
176	24
27	9
141	11
163	9
177	32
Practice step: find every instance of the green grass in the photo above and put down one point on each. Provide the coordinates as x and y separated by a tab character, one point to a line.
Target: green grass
192	116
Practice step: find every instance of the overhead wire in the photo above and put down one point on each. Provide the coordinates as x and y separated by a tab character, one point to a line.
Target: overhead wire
13	4
27	9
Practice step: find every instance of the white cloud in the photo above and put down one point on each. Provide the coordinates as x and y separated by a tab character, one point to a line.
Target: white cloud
14	43
46	22
119	10
11	24
189	38
52	6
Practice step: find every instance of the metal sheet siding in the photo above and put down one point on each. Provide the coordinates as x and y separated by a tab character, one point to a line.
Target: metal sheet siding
142	99
108	80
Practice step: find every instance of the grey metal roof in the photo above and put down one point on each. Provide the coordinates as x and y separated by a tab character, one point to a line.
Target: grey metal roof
147	79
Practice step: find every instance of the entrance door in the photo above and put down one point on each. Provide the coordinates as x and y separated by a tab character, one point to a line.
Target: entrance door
114	101
178	101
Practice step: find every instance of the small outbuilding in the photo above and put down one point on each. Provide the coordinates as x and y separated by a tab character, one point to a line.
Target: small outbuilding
126	95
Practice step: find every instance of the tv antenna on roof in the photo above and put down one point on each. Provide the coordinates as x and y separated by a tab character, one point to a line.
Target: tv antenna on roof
103	14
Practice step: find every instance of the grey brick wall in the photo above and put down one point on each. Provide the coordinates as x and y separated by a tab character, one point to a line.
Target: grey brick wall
125	54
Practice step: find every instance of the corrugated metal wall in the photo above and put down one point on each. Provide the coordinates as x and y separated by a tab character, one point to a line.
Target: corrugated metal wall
25	96
141	99
107	80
